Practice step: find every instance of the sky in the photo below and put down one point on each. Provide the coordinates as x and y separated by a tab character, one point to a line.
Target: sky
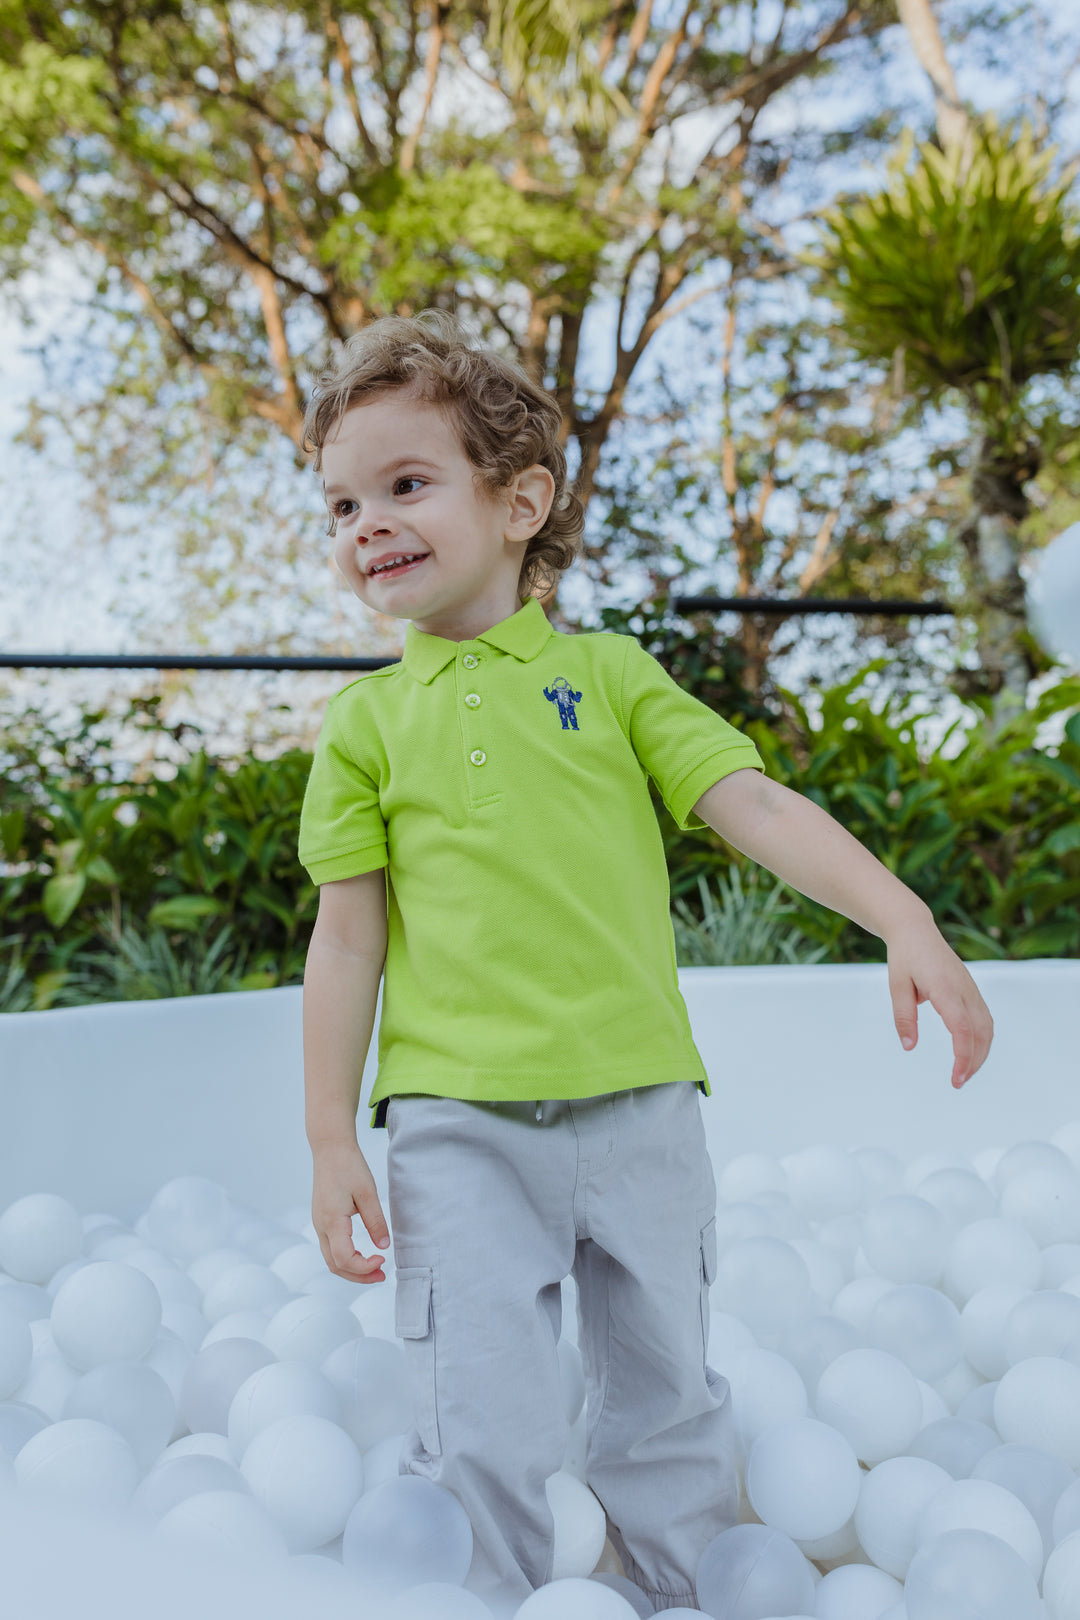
62	592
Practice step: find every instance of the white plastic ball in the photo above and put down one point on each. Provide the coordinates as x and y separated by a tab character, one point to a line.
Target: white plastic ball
955	1444
810	1346
970	1573
308	1475
872	1399
741	1220
227	1523
990	1253
824	1181
174	1478
764	1282
920	1326
574	1599
856	1300
372	1382
979	1504
39	1234
308	1328
960	1195
982	1327
751	1571
1023	1157
238	1325
212	1379
1061	1580
881	1171
280	1389
803	1478
1046	1203
891	1498
206	1268
1060	1261
1038	1404
765	1389
978	1406
1045	1323
1033	1476
80	1462
580	1525
245	1287
438	1600
203	1443
904	1239
189	1216
933	1407
728	1338
958	1383
856	1592
107	1311
18	1422
131	1398
16	1350
1066	1517
406	1531
749	1174
298	1264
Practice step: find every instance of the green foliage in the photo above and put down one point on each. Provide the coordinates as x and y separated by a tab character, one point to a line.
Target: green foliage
118	889
204	858
974	277
990	838
743	930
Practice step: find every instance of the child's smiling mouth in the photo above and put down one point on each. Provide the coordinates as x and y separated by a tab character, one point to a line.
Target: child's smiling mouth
397	568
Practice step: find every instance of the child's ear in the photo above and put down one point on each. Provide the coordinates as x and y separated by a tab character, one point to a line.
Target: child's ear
531	496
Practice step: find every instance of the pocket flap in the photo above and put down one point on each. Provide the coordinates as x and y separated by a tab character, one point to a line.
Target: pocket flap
412	1302
708	1250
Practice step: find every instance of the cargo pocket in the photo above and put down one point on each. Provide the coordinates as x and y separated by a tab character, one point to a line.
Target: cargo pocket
708	1276
415	1327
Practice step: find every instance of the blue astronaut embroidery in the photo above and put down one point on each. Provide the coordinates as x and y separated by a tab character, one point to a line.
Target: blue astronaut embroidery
565	697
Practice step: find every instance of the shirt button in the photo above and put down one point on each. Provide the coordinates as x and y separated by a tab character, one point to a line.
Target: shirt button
478	756
470	661
472	699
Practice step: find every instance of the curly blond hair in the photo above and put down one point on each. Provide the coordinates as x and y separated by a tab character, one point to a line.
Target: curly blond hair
506	423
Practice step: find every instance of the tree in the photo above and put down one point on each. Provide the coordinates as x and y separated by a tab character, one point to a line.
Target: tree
255	183
970	281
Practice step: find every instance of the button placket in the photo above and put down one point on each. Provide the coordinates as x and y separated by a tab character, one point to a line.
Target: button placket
473	700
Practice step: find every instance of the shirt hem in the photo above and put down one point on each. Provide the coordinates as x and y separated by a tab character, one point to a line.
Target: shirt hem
494	1090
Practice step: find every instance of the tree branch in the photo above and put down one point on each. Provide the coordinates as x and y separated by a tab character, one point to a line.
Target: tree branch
272	408
441	11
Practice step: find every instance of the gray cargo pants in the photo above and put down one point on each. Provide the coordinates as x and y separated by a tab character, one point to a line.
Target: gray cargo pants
492	1204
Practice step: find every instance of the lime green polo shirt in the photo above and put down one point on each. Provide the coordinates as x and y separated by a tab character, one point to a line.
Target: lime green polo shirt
503	783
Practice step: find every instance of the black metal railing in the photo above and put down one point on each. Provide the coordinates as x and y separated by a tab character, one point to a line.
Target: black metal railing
678	604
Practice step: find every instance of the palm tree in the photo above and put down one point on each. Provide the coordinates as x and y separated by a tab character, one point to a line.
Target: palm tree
964	271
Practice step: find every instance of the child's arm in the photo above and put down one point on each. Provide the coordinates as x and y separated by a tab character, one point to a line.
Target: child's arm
794	838
341	987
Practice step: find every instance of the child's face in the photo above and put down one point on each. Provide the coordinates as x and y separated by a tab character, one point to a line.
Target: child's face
397	479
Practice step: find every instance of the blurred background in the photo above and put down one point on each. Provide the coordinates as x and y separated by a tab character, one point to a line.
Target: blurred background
804	278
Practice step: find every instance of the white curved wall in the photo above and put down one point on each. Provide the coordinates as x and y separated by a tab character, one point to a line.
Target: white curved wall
103	1104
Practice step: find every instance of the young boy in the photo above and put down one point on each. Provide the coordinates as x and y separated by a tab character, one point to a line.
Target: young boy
478	820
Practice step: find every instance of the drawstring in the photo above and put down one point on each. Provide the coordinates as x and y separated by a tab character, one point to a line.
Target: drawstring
539	1113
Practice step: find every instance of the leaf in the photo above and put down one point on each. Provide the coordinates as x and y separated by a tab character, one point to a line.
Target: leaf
61	895
185	911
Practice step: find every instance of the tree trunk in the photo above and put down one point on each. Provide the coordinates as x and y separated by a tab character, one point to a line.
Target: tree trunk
994	593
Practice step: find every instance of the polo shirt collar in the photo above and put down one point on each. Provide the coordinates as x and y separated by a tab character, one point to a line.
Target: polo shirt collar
523	634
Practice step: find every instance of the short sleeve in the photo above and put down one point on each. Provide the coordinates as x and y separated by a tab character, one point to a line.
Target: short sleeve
683	744
342	830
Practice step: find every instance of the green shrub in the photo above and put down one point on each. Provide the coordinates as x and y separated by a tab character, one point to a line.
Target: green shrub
185	885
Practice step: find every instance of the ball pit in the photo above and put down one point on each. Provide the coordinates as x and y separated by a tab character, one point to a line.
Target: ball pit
903	1356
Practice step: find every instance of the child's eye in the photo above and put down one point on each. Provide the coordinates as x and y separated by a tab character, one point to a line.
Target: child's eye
339	508
410	479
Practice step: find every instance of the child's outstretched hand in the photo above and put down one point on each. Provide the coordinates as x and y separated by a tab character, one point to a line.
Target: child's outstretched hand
924	967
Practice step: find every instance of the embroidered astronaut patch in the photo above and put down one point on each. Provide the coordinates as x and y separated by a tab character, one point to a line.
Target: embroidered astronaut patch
563	694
